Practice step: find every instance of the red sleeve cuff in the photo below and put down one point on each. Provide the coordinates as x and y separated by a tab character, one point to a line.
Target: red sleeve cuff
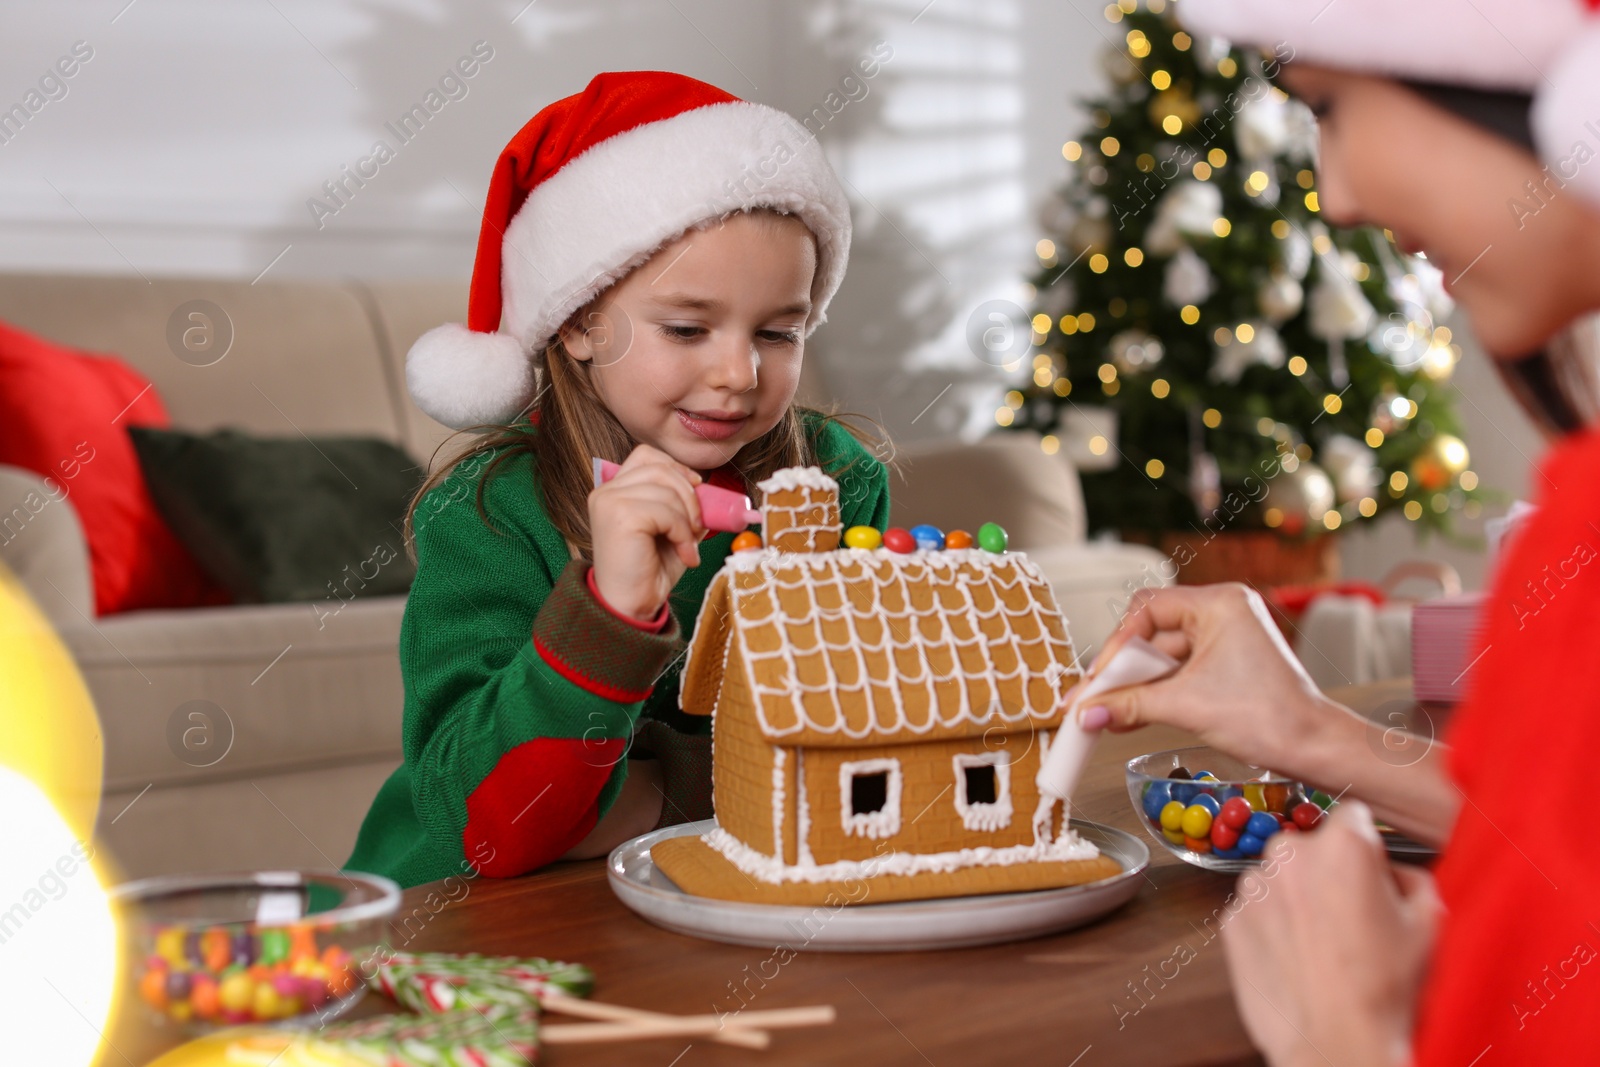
653	626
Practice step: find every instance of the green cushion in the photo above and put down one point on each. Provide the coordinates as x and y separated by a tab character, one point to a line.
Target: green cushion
285	519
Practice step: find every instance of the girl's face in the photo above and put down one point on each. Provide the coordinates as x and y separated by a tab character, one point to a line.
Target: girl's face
697	352
1445	187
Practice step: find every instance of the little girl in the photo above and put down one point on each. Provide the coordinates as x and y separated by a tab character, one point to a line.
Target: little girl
659	251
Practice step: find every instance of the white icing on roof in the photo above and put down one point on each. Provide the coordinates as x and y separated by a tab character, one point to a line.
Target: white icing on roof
875	645
798	478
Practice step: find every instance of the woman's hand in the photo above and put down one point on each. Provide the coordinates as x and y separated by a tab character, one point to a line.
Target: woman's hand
1240	688
1327	957
1243	691
646	530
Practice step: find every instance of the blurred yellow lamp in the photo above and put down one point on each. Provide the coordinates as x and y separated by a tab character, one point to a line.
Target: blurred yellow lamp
58	953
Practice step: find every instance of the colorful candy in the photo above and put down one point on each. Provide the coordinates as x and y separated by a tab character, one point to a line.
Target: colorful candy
992	537
928	538
1306	815
1155	798
1262	824
747	541
866	537
898	540
1196	821
958	539
445	981
450	1038
1200	813
236	975
1235	813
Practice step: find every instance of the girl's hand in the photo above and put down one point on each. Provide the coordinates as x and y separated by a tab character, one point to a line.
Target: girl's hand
646	529
1327	955
1240	688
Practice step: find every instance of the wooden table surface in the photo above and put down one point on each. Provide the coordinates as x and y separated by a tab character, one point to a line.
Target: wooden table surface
1147	985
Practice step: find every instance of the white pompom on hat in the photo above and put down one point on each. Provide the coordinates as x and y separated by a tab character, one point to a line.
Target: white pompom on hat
589	189
1547	49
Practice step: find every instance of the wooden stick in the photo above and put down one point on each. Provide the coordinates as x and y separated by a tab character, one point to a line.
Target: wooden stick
742	1036
683	1026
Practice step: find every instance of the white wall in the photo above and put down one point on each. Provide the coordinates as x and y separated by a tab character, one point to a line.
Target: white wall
193	138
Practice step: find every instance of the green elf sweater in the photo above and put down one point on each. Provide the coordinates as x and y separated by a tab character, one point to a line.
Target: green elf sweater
524	696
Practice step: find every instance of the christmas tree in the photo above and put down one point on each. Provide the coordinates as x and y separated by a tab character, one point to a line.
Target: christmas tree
1207	349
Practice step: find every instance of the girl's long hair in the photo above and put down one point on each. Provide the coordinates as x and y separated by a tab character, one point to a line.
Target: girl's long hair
568	423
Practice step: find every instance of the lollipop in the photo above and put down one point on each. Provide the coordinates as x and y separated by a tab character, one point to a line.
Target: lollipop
441	981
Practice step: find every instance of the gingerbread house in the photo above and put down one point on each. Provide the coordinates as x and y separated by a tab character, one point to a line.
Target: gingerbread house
879	717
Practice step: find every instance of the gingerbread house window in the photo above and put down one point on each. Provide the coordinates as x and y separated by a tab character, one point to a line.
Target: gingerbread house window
869	797
983	789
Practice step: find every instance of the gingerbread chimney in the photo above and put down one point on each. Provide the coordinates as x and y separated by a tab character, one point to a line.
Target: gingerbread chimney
800	510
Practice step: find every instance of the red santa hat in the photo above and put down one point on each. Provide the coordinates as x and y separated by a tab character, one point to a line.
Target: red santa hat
1546	49
588	190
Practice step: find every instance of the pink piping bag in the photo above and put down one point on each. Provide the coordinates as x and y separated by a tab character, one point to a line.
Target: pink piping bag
720	509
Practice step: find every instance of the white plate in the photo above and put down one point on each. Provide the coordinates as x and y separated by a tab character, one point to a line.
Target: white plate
904	926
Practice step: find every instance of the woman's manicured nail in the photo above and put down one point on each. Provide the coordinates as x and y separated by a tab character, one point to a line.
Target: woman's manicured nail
1095	718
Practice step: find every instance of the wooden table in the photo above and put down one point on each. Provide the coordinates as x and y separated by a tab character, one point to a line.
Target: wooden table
1147	985
1041	1001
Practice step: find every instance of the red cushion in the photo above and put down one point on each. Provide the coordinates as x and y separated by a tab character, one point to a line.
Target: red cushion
64	415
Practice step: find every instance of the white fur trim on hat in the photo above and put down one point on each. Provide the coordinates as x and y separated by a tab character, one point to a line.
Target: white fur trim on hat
1566	117
1548	49
1487	44
465	378
607	210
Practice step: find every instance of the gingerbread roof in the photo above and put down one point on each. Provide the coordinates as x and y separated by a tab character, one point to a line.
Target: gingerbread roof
853	647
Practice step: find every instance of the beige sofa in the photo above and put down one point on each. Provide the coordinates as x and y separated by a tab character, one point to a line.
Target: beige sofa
253	736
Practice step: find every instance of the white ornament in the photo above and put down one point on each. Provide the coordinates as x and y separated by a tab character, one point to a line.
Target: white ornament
1089	234
1301	125
1261	128
1188	209
1352	466
1281	298
1089	437
1188	280
1118	67
1302	494
1264	347
1339	309
1056	215
1422	287
1296	253
1133	351
1057	298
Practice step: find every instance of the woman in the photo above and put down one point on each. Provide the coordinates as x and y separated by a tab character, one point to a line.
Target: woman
1426	129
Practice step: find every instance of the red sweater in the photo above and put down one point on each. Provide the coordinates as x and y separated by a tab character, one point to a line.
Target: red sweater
1515	976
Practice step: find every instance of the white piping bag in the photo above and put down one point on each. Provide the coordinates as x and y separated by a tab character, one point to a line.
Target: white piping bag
1135	663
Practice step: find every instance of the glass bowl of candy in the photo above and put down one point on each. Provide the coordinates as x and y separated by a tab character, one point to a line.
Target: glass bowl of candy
203	951
1213	811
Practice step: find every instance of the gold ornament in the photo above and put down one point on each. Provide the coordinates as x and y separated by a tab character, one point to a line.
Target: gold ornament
1440	462
1174	101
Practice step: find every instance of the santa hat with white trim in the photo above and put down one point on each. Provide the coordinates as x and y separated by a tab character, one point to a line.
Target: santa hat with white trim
1542	50
588	190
